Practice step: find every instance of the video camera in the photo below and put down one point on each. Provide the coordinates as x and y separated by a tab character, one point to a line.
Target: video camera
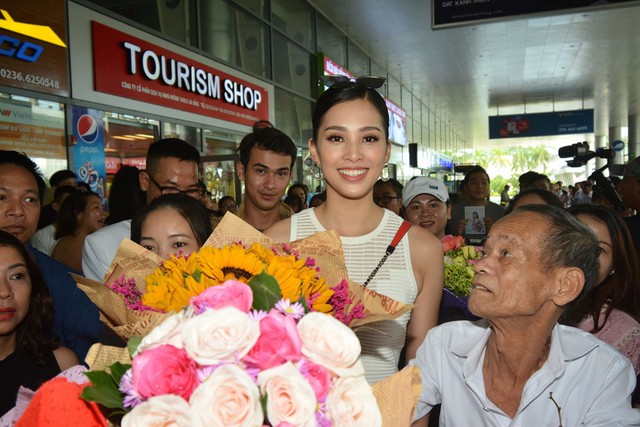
581	155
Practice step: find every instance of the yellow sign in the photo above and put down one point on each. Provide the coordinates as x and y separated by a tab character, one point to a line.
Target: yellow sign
40	32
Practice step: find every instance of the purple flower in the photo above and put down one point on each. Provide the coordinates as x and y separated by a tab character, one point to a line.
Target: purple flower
131	397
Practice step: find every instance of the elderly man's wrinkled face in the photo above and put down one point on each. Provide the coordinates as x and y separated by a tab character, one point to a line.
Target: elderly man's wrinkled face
510	280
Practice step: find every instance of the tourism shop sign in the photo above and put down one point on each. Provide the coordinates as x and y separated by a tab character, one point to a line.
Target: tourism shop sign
133	68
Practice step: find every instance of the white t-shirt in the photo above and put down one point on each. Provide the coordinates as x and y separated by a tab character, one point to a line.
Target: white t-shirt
43	239
100	248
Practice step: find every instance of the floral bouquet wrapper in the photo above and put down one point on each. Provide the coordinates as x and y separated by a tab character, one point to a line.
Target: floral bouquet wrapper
136	264
326	249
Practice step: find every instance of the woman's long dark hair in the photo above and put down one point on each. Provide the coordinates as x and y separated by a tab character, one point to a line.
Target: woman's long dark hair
620	290
74	204
34	335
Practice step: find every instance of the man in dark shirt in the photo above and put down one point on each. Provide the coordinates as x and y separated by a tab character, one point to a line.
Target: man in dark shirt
77	322
49	213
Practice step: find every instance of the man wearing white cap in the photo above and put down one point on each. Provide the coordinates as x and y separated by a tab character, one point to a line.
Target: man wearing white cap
426	203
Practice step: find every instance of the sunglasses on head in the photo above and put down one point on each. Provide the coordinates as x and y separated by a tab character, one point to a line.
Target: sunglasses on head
338	81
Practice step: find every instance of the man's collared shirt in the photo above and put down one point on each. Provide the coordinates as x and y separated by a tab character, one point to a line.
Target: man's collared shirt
591	382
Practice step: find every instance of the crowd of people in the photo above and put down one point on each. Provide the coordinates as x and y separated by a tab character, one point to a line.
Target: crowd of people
556	290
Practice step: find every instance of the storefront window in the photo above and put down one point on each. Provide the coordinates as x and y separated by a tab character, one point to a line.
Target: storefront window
175	19
292	66
295	19
293	116
187	133
358	60
235	36
331	41
35	127
127	139
259	7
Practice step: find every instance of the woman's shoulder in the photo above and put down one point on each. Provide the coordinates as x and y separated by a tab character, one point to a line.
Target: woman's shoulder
280	231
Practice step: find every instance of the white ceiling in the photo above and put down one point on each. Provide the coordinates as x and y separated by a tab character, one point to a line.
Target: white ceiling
566	61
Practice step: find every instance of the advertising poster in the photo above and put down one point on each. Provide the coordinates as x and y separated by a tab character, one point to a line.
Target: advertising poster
36	131
33	47
541	124
88	150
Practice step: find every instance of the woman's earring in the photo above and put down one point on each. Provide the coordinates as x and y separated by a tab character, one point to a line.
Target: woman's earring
316	171
612	273
385	175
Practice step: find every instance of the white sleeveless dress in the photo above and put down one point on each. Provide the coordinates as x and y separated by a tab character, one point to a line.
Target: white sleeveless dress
381	341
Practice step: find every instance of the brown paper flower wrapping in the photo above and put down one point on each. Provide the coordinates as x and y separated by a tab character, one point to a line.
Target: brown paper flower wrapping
133	261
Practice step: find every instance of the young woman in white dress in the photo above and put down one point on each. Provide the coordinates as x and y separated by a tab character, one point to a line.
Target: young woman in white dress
350	145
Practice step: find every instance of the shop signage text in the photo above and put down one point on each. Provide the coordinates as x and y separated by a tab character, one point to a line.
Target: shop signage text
136	69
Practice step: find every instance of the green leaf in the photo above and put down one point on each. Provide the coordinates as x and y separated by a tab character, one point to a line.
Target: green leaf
118	370
132	345
303	303
104	390
266	291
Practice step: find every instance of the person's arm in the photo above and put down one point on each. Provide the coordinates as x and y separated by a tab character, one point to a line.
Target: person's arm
612	407
65	358
427	260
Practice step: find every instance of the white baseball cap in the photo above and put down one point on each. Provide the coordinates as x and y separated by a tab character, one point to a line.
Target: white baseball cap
424	185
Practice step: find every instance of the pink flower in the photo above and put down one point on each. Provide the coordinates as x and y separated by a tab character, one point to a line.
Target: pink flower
164	370
278	342
230	294
450	242
319	378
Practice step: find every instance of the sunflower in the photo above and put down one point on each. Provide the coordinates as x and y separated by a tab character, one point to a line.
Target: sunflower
176	280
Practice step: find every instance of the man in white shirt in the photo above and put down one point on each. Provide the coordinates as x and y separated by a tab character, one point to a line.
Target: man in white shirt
523	368
172	167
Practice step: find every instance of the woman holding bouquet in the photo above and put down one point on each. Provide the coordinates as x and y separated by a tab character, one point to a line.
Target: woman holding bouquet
350	147
29	355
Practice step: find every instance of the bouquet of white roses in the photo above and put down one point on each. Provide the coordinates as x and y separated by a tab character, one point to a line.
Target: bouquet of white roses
219	362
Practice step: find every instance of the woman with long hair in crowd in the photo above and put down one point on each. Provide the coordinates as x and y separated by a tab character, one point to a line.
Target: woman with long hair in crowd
80	215
350	147
611	310
29	354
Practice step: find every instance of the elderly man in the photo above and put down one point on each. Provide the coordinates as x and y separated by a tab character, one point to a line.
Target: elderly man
523	368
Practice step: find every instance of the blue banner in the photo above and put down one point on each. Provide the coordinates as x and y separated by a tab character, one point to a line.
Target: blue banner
88	150
541	124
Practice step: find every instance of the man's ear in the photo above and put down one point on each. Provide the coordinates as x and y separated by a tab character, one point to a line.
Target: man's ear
143	178
569	284
240	170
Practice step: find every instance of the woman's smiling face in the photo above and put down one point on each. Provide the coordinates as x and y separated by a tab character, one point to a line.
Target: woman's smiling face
351	147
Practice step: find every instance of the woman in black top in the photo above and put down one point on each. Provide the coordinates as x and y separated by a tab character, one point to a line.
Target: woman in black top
29	354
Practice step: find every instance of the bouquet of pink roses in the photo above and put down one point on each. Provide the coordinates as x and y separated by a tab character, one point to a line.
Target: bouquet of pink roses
219	362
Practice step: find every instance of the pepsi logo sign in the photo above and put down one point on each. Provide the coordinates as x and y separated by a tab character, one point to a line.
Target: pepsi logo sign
87	128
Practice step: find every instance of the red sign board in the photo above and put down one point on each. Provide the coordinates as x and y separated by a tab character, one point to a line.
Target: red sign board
133	68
